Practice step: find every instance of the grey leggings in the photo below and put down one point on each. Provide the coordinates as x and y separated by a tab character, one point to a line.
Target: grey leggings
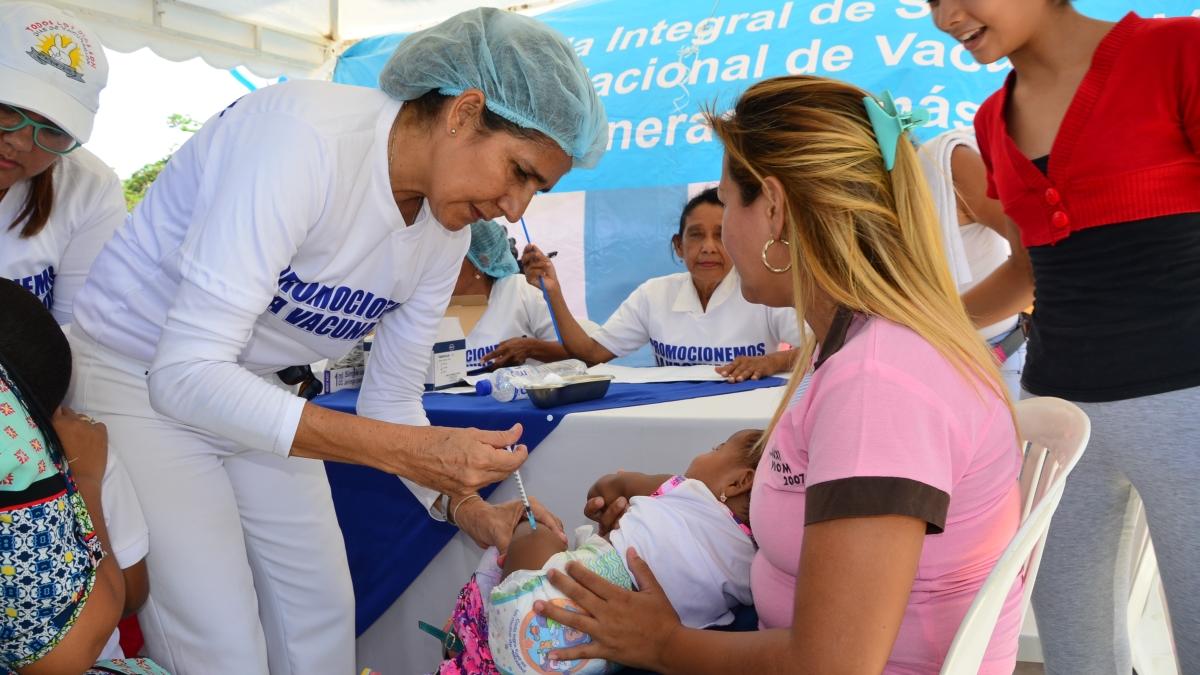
1151	444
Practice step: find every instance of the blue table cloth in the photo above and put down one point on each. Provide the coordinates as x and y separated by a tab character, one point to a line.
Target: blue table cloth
389	537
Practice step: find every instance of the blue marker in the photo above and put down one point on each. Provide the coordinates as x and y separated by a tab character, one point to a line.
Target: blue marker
545	295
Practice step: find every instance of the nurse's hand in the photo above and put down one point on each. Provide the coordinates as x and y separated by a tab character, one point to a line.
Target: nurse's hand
539	269
512	352
493	525
755	367
458	462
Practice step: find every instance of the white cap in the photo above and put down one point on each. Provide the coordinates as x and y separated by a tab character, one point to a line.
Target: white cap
51	64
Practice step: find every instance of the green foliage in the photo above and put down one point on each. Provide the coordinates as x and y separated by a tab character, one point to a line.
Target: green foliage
138	183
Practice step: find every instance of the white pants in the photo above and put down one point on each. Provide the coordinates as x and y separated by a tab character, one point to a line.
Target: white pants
247	565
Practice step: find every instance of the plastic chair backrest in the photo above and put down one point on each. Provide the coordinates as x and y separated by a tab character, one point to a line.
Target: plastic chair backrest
1055	433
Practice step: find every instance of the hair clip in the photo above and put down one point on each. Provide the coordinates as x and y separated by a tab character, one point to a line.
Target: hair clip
890	124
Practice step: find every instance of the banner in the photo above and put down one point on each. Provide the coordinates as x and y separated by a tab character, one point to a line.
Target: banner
658	65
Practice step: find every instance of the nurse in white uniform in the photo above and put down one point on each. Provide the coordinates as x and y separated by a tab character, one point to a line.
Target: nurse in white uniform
690	318
297	220
59	205
979	241
516	315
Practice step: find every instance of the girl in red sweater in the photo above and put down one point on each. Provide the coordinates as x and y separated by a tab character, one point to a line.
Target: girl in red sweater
1093	147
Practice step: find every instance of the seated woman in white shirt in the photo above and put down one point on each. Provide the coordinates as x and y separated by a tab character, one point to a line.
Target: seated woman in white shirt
516	326
689	318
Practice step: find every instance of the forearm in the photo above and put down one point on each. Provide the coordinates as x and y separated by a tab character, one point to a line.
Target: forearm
784	361
699	652
632	484
1005	292
575	339
547	351
340	437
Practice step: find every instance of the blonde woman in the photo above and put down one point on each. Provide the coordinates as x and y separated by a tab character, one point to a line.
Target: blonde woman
888	490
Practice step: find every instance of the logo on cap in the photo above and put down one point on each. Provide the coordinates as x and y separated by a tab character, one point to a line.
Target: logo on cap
60	46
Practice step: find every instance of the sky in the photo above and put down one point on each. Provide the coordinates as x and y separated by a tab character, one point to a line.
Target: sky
145	89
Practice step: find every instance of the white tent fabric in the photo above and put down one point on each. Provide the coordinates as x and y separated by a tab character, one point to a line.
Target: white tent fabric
296	38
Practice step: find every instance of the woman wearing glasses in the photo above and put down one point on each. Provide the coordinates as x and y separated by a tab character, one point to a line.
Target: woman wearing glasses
59	204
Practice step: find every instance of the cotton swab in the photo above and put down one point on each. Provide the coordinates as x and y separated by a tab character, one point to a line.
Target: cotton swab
524	496
545	295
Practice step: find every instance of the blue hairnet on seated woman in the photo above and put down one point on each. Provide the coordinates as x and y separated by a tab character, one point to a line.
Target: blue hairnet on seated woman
295	221
530	75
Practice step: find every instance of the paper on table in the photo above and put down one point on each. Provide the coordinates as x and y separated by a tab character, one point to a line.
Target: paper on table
661	374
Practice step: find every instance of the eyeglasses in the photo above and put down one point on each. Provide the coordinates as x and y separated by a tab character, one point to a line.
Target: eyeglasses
47	136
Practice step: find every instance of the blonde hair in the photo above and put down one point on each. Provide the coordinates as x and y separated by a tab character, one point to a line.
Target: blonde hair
865	236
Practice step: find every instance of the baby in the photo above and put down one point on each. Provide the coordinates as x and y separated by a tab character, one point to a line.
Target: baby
692	530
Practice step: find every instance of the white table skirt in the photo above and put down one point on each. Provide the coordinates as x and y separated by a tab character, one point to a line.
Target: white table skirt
659	438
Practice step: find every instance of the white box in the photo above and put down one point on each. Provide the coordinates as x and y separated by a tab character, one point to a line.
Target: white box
448	363
342	378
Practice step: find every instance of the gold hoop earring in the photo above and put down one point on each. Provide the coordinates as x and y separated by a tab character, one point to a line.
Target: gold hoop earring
767	264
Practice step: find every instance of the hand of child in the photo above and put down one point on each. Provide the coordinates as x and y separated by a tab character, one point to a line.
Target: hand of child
606	503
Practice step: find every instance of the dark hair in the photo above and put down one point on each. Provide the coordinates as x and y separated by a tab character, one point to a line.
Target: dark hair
38	203
429	105
33	347
707	196
755	442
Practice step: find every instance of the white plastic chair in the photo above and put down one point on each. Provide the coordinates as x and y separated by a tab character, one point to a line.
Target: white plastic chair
1055	433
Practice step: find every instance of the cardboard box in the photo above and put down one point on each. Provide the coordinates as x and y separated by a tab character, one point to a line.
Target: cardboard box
342	378
448	363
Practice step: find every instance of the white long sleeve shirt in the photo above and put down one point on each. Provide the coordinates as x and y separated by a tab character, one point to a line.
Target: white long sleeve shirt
89	206
272	239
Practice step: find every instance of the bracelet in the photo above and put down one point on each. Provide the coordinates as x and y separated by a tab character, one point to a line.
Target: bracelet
453	519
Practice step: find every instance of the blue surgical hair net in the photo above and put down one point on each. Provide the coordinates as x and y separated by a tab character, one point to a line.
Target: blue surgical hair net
528	72
490	251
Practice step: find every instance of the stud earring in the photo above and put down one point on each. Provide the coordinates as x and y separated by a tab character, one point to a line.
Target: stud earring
722	497
453	132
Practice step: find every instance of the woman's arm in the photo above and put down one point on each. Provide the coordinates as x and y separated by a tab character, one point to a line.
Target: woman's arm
757	367
852	589
1008	290
515	351
539	268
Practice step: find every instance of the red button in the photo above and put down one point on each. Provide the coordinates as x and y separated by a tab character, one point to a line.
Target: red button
1060	220
1052	197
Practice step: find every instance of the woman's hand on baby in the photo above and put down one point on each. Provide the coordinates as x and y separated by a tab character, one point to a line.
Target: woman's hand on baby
461	461
84	441
493	525
539	269
629	627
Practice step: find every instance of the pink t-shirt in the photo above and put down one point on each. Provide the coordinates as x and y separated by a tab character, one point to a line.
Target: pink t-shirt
888	426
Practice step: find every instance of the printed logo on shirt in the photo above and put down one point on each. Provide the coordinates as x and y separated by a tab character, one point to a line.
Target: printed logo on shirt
782	471
40	284
475	356
336	312
691	355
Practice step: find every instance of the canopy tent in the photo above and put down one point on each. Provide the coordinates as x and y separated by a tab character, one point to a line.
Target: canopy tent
296	38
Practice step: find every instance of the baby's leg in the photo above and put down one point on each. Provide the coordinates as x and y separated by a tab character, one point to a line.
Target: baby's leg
530	548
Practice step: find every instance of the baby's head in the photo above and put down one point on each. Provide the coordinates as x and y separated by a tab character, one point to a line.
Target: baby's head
728	469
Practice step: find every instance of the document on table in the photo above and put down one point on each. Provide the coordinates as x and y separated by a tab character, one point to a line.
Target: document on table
626	374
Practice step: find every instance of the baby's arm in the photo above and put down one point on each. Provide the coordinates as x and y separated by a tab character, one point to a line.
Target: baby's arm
530	549
609	496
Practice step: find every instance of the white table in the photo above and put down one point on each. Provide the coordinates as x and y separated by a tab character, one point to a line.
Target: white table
659	438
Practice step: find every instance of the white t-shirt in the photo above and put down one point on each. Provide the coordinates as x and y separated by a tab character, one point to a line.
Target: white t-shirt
271	239
89	206
986	250
696	549
666	312
514	309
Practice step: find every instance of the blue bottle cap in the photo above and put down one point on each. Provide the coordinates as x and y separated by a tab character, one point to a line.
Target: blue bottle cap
483	387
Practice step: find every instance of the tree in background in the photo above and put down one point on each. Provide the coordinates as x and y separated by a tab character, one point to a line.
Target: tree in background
138	183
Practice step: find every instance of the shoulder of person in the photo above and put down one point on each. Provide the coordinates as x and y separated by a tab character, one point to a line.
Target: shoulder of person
82	170
1164	33
668	283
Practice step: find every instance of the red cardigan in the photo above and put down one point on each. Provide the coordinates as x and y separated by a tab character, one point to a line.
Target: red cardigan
1128	147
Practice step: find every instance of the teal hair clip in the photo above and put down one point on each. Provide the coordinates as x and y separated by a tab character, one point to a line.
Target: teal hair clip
890	124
